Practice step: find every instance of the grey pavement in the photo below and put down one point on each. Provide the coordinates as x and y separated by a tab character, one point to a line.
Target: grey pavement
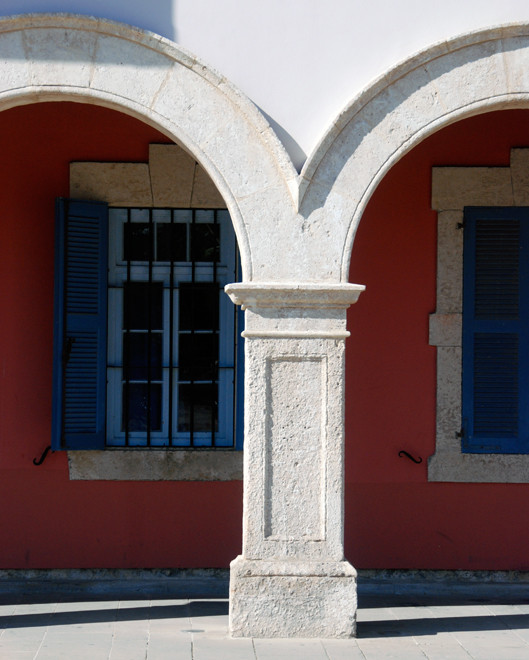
403	626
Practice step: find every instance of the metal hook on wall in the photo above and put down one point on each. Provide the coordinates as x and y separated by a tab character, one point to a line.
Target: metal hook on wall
402	453
41	460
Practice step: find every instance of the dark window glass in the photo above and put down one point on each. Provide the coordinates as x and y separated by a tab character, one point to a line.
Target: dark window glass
205	242
199	306
142	301
137	241
135	356
171	242
198	356
197	407
136	403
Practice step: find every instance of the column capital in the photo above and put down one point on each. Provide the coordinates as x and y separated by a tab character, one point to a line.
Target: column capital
294	310
293	294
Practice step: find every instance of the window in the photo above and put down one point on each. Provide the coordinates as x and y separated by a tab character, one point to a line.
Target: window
146	344
495	330
472	355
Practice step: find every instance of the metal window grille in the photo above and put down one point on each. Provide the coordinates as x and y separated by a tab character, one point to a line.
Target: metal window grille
172	331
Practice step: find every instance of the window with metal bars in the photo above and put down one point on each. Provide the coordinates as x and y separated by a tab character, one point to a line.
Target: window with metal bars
171	350
145	338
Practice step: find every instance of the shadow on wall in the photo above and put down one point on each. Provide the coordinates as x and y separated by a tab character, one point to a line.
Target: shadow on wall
156	15
297	154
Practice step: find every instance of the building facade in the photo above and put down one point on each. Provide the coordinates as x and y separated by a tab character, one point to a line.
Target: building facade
401	446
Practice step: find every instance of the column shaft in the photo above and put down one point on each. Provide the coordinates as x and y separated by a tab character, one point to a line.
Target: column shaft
292	579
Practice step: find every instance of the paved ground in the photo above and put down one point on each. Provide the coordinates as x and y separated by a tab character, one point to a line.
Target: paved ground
389	626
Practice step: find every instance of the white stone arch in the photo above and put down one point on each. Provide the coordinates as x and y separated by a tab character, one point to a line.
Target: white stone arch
63	57
471	74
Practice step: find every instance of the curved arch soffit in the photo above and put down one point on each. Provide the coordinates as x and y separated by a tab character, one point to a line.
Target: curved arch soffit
59	57
472	74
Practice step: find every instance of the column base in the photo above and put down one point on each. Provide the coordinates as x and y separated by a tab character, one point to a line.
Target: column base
292	598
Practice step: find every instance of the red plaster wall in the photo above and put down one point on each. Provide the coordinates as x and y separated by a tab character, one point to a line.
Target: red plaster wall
46	520
394	517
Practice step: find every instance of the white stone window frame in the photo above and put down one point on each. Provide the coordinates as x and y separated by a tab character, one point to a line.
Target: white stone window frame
172	178
454	188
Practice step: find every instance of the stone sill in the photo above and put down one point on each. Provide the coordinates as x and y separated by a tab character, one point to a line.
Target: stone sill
456	467
156	465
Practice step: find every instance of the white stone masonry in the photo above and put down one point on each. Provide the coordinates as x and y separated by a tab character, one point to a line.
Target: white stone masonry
291	579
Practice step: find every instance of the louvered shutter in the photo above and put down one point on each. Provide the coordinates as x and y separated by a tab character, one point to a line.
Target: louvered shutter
80	325
495	333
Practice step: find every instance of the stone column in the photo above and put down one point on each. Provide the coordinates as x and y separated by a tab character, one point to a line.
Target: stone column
291	579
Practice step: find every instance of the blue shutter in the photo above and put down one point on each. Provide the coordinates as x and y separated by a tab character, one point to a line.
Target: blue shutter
80	325
495	321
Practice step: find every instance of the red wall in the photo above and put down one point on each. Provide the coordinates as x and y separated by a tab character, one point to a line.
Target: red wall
394	517
45	519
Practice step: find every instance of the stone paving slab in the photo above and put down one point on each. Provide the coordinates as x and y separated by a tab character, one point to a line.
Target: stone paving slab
390	626
342	649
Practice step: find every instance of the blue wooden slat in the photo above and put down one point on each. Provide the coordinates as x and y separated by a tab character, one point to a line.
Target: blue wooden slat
495	309
497	271
79	383
495	390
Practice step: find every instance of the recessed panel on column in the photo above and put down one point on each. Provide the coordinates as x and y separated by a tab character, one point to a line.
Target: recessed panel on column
294	462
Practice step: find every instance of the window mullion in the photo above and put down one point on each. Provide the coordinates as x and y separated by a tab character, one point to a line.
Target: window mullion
149	326
215	370
126	327
171	331
193	282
